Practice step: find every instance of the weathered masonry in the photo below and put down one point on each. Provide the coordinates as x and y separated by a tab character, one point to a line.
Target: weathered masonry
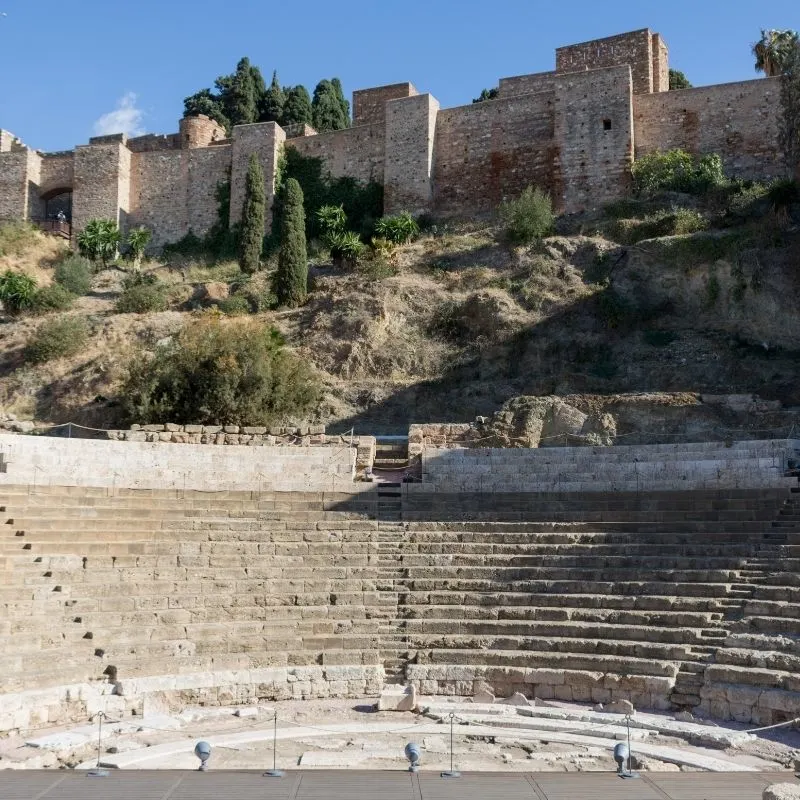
574	131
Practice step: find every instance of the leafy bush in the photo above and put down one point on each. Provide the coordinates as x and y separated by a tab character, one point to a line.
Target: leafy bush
783	193
15	237
399	229
142	293
138	239
236	305
99	240
347	248
662	223
528	218
677	171
332	222
52	298
75	274
17	291
219	372
57	338
377	268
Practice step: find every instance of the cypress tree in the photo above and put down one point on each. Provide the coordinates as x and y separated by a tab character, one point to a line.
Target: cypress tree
252	235
273	102
291	279
331	110
240	93
297	108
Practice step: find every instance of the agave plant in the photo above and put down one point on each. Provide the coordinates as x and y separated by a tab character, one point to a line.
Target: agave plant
138	239
17	291
332	222
346	248
99	240
399	229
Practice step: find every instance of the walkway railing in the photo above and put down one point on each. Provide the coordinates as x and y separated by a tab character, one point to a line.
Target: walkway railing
54	227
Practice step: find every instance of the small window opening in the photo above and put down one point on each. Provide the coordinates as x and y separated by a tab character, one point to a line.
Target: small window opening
606	124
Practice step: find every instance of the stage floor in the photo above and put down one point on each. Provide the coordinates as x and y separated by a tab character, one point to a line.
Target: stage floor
365	785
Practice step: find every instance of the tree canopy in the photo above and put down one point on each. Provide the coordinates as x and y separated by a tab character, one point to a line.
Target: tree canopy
774	50
243	97
487	94
677	80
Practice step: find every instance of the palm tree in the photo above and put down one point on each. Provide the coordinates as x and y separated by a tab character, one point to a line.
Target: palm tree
772	52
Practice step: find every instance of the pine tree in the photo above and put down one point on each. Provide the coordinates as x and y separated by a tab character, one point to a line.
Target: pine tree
252	235
204	102
331	109
291	279
241	93
297	108
273	102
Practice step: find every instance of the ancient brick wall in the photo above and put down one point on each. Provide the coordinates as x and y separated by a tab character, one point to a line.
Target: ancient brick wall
15	169
737	120
155	141
634	49
56	172
660	64
527	84
410	129
369	105
101	182
487	151
594	136
199	131
354	152
265	140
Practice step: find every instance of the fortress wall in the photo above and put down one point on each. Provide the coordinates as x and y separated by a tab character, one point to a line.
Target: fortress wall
56	172
45	461
159	194
594	136
737	120
17	168
634	49
101	183
208	167
369	105
155	141
660	64
354	152
487	151
527	84
410	130
265	139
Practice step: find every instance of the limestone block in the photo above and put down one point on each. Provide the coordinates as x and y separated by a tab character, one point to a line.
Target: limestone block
517	699
621	707
782	791
398	698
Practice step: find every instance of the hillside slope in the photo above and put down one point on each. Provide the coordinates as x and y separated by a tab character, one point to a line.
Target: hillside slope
458	323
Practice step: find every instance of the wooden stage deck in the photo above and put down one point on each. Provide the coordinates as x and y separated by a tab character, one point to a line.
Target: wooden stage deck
363	785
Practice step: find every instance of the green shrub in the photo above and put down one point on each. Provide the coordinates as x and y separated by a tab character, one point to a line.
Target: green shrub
399	229
677	171
75	274
529	217
659	338
219	372
332	222
57	338
99	240
236	305
347	248
783	194
17	291
138	239
142	293
377	268
16	237
52	298
661	223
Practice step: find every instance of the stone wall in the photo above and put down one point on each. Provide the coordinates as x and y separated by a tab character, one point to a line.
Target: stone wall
17	166
594	136
491	150
527	84
737	120
56	172
46	461
369	105
410	130
634	49
265	140
354	152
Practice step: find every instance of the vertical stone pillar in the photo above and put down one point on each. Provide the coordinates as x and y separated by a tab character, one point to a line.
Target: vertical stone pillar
265	139
408	166
19	175
101	186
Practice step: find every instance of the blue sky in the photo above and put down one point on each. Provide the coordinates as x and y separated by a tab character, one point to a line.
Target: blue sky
67	65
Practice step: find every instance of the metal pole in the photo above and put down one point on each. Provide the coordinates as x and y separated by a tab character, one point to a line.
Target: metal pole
98	771
452	773
274	772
